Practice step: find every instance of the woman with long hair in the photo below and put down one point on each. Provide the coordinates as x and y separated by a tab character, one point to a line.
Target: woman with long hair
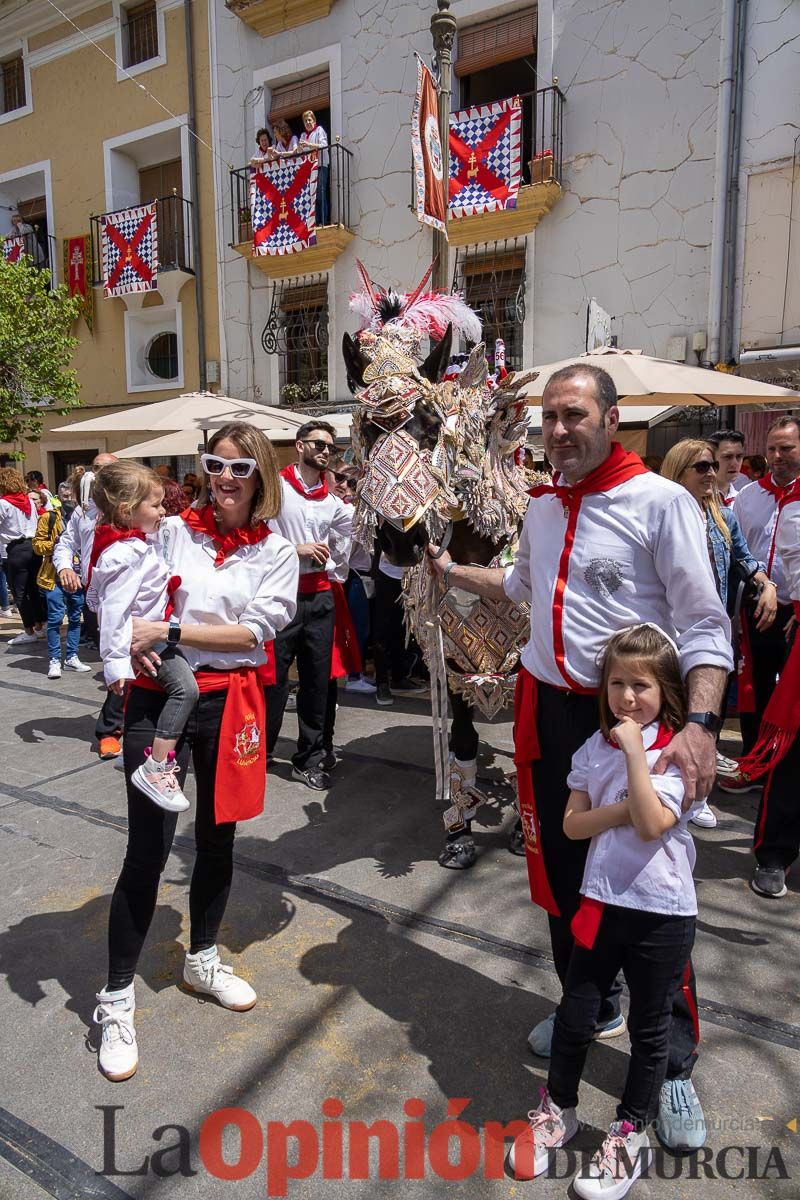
691	463
18	520
233	587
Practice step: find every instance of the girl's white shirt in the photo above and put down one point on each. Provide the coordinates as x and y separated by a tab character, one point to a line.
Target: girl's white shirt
129	580
621	868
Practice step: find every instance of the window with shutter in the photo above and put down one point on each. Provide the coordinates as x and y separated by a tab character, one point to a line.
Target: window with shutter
292	99
494	42
12	73
141	28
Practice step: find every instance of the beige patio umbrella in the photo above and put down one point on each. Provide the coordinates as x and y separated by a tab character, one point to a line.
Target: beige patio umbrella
641	379
192	410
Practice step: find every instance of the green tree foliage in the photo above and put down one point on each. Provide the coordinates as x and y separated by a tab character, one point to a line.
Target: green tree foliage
36	345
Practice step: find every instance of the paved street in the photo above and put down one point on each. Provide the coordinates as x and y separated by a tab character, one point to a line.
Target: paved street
381	978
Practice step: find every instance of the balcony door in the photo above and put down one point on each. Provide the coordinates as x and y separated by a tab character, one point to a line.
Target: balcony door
165	182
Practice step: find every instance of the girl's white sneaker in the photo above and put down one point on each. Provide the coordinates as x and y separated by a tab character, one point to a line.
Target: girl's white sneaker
159	782
616	1166
204	974
549	1128
119	1054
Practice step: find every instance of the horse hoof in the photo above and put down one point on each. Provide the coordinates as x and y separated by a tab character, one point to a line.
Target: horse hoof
459	854
516	843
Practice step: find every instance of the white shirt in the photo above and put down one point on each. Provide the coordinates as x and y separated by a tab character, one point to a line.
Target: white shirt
329	520
757	512
15	525
129	580
639	554
621	868
787	546
74	548
389	569
256	586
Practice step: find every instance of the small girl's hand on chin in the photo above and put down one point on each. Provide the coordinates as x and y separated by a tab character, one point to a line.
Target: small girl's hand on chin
628	735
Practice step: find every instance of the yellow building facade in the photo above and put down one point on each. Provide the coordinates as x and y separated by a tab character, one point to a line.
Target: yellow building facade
95	116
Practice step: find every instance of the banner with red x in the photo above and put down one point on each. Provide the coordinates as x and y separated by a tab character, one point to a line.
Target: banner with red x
130	250
485	157
283	200
13	249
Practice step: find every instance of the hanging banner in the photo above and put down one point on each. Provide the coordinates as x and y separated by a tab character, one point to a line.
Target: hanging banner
485	157
283	201
77	274
426	148
129	240
13	249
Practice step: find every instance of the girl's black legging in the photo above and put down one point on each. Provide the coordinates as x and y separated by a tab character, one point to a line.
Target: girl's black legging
151	830
22	567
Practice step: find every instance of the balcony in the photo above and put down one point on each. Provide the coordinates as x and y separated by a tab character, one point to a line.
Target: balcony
332	238
39	247
543	115
268	17
174	230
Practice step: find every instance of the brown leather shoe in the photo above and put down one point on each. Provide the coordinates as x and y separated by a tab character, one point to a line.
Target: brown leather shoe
109	747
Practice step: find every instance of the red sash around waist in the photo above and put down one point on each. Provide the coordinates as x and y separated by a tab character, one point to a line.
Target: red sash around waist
312	582
346	656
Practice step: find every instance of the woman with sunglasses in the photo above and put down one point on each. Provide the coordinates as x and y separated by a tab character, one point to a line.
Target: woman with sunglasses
233	587
691	463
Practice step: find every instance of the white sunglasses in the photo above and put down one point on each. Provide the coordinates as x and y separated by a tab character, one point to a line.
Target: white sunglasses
240	468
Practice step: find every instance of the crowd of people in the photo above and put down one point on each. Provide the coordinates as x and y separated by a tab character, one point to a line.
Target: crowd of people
659	599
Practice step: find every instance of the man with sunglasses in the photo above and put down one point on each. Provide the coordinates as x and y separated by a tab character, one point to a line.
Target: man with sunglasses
319	525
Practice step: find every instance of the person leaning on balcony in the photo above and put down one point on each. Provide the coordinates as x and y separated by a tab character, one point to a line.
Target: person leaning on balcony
316	139
285	141
263	153
20	228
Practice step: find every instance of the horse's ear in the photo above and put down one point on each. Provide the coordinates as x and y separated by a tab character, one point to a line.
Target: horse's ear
354	362
435	364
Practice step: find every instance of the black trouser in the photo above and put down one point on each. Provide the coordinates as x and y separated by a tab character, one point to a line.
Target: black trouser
309	639
151	830
652	950
112	714
389	639
463	734
22	567
565	721
768	656
90	626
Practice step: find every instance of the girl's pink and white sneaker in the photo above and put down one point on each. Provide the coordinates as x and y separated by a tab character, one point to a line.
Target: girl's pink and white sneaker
616	1166
549	1128
159	782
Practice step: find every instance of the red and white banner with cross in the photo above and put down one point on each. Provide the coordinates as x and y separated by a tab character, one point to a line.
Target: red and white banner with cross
485	157
130	250
283	200
13	249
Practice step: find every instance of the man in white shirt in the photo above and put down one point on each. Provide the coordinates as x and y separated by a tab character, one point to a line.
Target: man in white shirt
319	526
610	545
757	507
315	137
729	447
71	560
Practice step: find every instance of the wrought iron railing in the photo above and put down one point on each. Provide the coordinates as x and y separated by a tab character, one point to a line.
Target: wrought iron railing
140	33
336	156
174	229
38	246
543	135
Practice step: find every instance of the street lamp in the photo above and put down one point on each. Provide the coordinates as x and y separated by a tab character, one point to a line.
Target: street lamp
443	32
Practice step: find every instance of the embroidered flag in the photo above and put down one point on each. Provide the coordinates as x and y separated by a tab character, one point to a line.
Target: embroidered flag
485	158
13	249
77	262
129	241
426	147
283	200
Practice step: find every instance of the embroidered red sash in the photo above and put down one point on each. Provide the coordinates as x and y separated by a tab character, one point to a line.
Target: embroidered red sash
318	493
346	657
526	752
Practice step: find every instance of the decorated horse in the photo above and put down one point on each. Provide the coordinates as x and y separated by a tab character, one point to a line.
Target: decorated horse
440	450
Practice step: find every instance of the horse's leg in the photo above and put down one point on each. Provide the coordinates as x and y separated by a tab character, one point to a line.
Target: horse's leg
459	849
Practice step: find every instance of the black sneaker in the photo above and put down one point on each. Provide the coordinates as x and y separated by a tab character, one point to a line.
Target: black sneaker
384	696
313	777
769	882
408	687
329	760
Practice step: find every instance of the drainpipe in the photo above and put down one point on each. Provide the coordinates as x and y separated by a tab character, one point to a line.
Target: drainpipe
732	240
195	209
721	176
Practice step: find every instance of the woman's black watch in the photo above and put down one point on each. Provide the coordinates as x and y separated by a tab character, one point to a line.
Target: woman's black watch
174	633
709	720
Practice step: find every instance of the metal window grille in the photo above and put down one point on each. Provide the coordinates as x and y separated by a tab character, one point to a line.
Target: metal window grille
492	279
13	84
297	331
162	355
141	34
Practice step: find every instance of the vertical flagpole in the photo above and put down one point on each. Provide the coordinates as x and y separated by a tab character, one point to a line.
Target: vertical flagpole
443	32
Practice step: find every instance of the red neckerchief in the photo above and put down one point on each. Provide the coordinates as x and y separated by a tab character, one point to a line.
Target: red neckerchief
318	493
105	536
21	501
781	494
662	739
201	520
620	466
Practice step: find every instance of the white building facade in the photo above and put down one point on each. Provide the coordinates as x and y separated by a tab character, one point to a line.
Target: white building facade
633	113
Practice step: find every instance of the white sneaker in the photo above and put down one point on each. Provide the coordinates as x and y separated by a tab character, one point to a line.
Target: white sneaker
616	1166
550	1128
75	664
159	782
205	975
704	817
40	634
23	639
361	685
54	669
119	1054
7	613
727	766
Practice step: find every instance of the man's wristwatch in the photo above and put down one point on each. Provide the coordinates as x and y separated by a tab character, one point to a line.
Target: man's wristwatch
174	634
709	720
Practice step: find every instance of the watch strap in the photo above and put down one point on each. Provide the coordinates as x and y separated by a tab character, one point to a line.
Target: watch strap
709	720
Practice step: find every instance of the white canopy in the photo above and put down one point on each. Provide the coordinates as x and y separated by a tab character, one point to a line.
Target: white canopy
193	410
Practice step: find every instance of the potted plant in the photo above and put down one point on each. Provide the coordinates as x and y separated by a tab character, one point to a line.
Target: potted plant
541	167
